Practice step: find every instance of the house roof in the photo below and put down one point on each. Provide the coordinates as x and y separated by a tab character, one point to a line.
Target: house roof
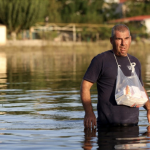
135	18
115	1
122	1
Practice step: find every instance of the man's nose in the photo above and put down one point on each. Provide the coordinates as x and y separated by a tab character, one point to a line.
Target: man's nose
122	42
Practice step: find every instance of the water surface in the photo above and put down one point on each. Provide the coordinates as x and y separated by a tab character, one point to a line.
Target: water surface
40	105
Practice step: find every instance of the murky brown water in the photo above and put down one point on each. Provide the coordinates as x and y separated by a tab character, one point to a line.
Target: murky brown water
40	104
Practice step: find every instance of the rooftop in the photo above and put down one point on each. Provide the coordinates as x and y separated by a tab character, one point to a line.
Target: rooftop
135	18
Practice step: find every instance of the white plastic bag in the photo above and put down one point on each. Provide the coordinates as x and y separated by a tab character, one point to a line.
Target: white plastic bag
129	90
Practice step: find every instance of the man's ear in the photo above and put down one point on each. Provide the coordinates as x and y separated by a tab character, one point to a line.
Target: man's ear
111	40
130	39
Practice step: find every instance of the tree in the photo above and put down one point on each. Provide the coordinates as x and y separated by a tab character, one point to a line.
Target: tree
82	11
53	12
21	14
138	8
110	13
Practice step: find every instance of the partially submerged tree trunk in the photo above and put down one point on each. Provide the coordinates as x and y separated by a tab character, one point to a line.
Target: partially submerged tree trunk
13	36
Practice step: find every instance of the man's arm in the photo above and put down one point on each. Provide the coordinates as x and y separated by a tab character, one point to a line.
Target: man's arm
89	118
147	107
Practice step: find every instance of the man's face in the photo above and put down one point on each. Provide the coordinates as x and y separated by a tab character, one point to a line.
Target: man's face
121	42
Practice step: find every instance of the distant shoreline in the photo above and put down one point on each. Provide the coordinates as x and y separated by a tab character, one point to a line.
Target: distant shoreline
41	43
140	48
48	43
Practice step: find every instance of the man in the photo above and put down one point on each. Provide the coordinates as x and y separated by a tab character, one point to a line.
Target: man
103	71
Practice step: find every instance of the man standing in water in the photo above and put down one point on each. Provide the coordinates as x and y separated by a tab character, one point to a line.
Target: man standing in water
103	71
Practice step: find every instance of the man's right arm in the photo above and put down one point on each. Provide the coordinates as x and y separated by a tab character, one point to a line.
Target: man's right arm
89	118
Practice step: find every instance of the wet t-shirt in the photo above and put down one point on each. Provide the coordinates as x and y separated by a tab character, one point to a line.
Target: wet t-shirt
103	71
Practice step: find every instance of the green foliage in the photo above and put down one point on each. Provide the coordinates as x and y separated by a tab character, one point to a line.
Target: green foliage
88	34
81	11
110	12
48	35
138	8
20	14
53	12
137	30
105	33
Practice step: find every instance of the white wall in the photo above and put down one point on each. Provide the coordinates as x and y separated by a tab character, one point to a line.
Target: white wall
2	34
147	24
112	1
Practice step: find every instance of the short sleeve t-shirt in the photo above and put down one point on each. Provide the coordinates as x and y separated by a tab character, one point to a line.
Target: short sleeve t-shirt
103	71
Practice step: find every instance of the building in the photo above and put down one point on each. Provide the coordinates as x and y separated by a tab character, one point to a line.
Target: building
122	1
143	19
115	1
3	35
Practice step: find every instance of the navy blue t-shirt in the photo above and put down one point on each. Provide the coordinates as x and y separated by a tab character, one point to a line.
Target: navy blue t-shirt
103	71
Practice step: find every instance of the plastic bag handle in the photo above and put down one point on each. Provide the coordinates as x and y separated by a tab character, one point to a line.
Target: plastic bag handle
132	66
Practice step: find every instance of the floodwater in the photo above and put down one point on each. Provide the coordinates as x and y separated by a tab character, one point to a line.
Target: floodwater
40	105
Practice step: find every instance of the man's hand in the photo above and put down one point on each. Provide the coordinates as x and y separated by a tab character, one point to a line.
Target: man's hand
147	107
89	120
134	105
148	115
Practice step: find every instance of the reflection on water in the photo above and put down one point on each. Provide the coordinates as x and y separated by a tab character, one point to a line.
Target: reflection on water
3	68
116	138
40	105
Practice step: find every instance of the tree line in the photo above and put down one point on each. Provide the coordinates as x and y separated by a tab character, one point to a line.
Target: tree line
22	14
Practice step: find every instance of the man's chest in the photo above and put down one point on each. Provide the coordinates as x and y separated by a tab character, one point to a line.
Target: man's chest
110	71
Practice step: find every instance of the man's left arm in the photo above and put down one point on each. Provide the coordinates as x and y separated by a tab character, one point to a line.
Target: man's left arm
147	107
